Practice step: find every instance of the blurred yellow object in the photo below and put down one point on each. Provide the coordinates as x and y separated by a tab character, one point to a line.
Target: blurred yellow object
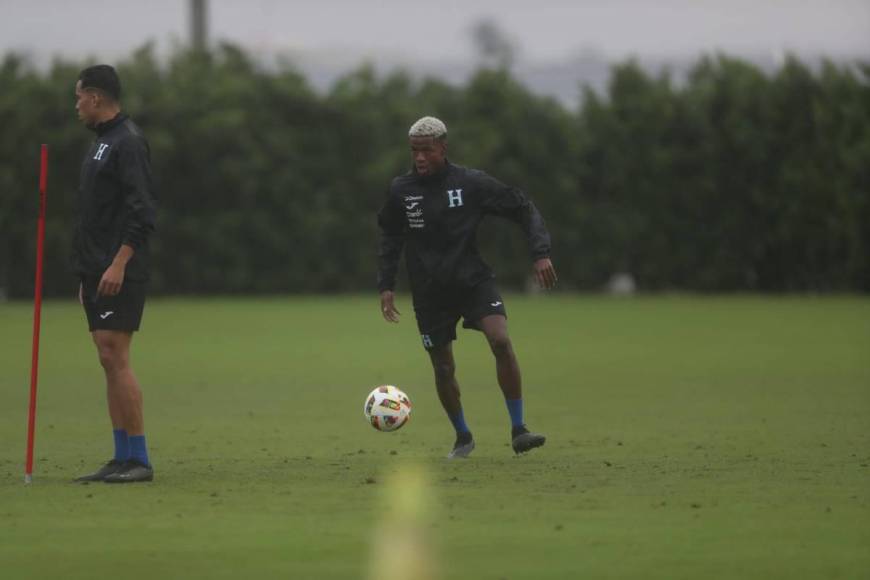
402	547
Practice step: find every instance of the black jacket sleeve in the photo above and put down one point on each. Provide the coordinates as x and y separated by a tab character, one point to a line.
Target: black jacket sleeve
134	167
511	203
392	227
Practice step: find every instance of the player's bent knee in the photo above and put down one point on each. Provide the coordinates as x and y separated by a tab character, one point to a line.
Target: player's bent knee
501	345
444	370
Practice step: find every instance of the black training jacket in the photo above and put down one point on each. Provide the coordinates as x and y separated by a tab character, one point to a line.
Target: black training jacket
435	218
116	203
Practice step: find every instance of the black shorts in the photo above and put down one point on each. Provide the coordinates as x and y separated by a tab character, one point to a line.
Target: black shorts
121	312
438	313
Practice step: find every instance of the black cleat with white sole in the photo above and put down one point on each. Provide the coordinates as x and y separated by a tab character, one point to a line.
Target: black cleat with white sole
522	440
463	447
132	472
112	466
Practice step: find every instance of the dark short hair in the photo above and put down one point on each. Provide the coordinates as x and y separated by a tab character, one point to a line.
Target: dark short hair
103	78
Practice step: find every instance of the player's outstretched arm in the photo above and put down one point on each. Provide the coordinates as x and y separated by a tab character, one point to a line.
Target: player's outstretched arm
545	273
511	203
388	306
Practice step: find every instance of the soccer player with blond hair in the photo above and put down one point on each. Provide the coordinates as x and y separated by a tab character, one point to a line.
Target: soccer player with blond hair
432	214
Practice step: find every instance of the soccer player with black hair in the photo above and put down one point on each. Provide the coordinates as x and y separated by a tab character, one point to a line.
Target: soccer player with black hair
115	217
432	213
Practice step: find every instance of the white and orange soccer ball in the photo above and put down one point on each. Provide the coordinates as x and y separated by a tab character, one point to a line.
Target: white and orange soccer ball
387	408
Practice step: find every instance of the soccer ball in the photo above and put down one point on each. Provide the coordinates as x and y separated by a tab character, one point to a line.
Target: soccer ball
387	408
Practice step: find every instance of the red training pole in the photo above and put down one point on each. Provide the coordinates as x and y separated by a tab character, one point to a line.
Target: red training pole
37	311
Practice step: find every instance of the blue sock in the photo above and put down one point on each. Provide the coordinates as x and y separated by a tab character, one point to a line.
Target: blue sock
515	408
138	450
458	421
122	445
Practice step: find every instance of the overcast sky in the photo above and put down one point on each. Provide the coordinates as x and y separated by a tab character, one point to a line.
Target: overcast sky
438	30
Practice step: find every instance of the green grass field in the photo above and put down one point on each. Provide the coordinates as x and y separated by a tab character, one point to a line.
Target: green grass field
688	438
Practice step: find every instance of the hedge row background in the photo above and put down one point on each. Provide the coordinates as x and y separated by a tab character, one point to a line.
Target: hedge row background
729	180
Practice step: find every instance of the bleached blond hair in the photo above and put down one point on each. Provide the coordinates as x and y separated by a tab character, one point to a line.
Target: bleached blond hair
428	127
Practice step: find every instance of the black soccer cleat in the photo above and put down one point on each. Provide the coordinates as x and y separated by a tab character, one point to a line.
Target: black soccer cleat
523	440
112	466
131	472
463	447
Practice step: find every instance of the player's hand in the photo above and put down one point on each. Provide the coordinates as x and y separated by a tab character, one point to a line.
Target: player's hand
388	308
545	273
112	280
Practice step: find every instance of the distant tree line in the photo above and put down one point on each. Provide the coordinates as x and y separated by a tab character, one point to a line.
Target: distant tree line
728	180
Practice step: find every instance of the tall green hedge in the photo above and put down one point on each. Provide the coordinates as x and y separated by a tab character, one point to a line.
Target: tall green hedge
729	180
